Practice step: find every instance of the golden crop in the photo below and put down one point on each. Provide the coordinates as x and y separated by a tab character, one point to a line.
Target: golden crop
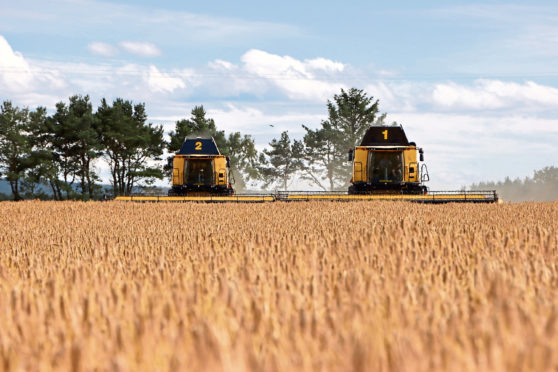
310	286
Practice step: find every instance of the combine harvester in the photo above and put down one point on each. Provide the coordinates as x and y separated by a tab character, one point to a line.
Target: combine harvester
385	167
200	174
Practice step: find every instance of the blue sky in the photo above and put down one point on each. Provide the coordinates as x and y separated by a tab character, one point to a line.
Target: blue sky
474	83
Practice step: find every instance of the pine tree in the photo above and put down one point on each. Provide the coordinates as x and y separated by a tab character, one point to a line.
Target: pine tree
15	145
282	161
130	144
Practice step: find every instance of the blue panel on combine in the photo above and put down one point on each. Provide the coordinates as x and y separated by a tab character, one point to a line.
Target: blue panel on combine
199	146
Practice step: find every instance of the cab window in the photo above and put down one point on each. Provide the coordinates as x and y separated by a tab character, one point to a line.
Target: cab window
385	166
198	172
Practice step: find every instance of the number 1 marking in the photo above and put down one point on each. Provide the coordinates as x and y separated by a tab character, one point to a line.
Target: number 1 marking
385	132
198	146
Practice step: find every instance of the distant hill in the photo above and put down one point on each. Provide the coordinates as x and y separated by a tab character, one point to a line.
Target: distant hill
5	187
6	190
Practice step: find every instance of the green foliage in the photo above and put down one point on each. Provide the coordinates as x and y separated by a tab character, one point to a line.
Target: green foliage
129	144
350	115
72	135
15	145
45	167
243	155
282	161
87	145
323	160
61	137
547	176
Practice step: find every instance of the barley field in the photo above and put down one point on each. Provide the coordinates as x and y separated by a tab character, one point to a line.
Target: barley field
311	286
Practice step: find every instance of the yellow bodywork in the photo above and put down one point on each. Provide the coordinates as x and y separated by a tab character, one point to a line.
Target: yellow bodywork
219	165
433	198
214	199
362	155
417	198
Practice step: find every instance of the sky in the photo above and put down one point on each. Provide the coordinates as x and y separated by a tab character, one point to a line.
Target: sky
473	83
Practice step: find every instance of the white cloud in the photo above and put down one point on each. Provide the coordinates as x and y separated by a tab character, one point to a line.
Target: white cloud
162	82
225	79
144	49
325	65
401	96
102	49
219	64
296	78
494	94
15	72
19	78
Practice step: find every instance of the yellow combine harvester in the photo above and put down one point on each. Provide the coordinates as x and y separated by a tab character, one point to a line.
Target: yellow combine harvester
386	166
386	163
199	169
200	174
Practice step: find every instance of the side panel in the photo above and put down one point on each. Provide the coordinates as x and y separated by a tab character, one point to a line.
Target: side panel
411	165
221	170
178	171
360	165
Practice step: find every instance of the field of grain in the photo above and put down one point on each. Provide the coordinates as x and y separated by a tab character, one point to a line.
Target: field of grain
319	286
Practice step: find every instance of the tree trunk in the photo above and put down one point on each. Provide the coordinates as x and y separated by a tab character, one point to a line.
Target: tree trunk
54	195
330	178
82	175
14	184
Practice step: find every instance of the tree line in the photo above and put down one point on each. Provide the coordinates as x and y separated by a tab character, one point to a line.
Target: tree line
542	186
53	156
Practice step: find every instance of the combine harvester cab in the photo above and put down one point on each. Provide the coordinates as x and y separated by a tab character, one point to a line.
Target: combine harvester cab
199	169
387	163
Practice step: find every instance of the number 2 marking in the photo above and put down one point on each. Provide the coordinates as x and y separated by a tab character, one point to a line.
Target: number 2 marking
385	132
198	146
